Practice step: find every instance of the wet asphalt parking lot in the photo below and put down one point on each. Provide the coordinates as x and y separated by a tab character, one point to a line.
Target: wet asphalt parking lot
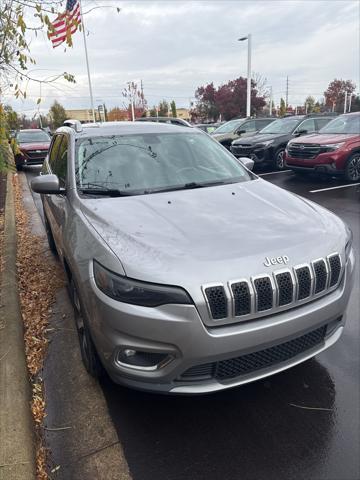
303	423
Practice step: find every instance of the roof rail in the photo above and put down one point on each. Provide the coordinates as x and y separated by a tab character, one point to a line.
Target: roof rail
75	124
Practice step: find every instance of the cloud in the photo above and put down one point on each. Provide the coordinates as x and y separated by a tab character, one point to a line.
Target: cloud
176	46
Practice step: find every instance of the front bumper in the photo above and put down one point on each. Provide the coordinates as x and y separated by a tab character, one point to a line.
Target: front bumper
178	332
23	159
329	163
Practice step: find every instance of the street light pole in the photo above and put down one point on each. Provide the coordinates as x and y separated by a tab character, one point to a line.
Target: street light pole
248	91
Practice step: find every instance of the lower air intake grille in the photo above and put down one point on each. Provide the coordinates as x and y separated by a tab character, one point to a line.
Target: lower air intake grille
335	269
242	298
235	367
320	276
217	301
264	293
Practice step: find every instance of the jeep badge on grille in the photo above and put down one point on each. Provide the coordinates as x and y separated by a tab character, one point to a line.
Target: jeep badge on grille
283	260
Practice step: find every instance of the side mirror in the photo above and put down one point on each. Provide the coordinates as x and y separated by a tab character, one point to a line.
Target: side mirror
248	162
46	184
240	132
300	132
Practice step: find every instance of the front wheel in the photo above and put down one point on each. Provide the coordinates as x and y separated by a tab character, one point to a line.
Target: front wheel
352	169
49	235
88	351
279	159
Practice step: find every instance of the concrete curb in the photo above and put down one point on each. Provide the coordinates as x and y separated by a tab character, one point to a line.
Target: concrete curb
17	444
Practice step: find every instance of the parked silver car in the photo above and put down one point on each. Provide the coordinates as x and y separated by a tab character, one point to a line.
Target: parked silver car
188	273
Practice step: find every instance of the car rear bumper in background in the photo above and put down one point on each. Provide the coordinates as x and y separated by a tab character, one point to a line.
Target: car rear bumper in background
190	358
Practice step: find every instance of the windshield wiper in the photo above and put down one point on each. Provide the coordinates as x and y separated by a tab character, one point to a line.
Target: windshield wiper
187	186
109	192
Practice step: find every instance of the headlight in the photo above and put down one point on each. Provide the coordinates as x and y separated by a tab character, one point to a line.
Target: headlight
349	239
136	292
331	147
265	144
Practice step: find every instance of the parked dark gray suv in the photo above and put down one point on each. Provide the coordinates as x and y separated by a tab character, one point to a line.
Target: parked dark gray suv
241	127
267	147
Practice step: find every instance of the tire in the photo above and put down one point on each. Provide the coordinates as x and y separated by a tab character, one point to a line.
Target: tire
279	162
88	351
352	168
50	237
19	167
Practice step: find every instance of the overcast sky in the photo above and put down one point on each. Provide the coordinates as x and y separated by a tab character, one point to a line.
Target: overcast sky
176	46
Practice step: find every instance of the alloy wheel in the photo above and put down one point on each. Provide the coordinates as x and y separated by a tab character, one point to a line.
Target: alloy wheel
280	160
354	168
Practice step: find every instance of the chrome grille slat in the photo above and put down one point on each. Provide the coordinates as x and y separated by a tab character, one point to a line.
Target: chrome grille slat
334	262
304	282
264	294
241	297
321	275
285	288
217	301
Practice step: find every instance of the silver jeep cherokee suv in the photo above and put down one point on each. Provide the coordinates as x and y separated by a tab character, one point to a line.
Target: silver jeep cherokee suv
188	273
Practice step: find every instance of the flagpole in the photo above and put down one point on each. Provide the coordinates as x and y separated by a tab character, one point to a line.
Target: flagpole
87	64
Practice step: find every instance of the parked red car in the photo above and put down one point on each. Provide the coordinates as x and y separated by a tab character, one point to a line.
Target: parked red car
34	145
334	150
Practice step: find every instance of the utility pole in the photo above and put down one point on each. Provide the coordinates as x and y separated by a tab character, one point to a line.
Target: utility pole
350	103
345	102
142	93
287	93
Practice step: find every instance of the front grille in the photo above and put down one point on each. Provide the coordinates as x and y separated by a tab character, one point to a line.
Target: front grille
241	150
217	301
303	150
33	154
263	293
321	276
269	357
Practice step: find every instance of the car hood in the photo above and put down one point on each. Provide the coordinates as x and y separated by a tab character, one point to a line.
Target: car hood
212	234
259	138
34	146
324	139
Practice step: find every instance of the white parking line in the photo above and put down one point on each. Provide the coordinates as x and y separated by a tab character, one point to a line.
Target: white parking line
272	173
334	188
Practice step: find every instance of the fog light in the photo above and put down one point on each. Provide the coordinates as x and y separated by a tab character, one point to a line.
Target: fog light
141	360
129	353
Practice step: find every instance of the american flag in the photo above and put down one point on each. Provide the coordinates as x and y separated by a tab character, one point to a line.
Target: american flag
66	24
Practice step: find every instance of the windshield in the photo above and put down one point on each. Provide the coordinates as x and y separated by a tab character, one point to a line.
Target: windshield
344	124
33	137
285	125
229	127
145	163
